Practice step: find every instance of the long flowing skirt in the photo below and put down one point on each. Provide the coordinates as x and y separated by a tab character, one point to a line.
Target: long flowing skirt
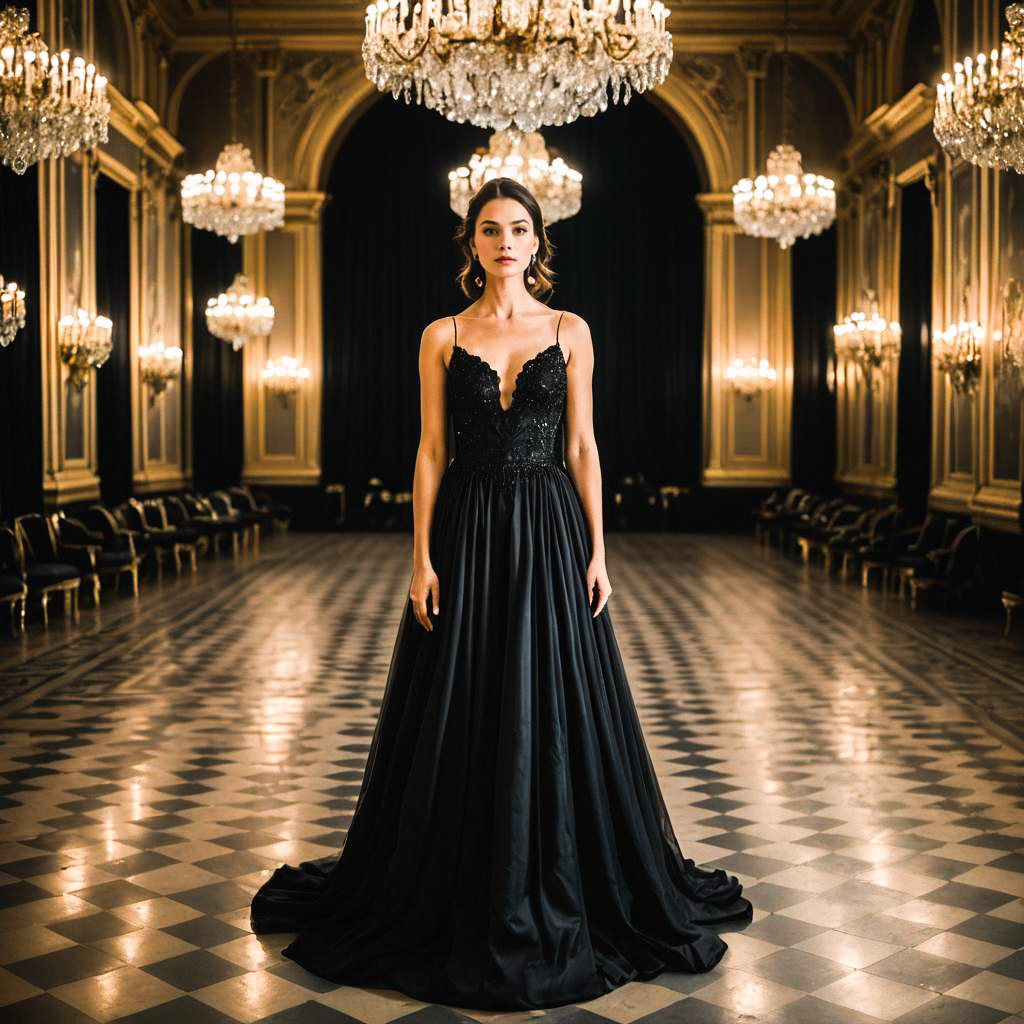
510	846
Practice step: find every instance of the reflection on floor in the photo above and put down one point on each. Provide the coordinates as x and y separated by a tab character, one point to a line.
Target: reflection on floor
850	761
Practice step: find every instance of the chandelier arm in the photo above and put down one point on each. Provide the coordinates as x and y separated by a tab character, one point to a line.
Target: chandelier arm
415	55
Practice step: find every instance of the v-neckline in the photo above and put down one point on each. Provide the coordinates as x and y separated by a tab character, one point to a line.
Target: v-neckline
515	384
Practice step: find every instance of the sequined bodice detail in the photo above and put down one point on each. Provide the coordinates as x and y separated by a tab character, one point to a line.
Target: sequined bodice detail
486	433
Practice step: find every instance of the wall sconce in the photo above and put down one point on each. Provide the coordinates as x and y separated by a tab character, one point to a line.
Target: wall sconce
85	343
158	366
958	354
751	377
868	339
284	376
12	311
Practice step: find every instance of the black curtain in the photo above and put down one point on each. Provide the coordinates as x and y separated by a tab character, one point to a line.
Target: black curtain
114	379
630	263
21	414
914	408
813	433
216	370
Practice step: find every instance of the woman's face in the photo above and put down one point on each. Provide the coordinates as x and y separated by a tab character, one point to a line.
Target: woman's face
504	239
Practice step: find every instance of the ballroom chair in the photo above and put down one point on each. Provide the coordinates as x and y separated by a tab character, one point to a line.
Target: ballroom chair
50	567
778	501
937	532
113	548
800	532
903	543
166	540
879	540
814	536
846	534
673	507
228	525
1012	598
333	489
224	506
204	522
272	515
952	569
778	526
13	588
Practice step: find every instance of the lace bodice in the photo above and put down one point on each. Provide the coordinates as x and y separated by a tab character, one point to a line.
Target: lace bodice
524	434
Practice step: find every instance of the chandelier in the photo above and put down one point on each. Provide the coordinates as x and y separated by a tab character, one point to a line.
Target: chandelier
239	314
556	186
979	109
867	338
12	311
233	198
786	203
283	376
85	343
527	63
958	354
1011	337
50	104
750	378
159	365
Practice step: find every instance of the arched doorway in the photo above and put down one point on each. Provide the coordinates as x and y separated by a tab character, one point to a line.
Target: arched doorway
631	263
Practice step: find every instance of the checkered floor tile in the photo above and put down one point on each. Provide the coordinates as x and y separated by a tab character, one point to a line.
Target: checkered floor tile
856	764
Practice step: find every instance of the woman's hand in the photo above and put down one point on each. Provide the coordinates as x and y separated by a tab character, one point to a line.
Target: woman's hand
597	576
425	585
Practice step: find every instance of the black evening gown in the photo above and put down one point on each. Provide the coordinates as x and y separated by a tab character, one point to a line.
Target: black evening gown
510	846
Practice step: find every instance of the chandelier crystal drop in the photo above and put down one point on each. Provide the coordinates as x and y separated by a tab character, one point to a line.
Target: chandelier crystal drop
752	377
85	343
12	311
958	354
979	108
51	104
867	338
284	376
234	198
239	314
159	365
521	63
556	186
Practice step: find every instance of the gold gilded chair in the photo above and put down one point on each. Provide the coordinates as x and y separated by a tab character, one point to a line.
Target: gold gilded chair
13	589
48	565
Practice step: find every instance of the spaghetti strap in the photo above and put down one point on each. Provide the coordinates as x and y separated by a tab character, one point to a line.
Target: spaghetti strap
456	326
559	327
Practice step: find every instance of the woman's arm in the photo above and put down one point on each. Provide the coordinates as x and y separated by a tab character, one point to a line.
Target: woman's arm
431	460
581	456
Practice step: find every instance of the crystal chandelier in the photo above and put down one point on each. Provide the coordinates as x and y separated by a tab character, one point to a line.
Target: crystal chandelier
233	198
85	343
979	109
867	338
239	314
751	377
12	311
159	365
50	104
958	354
1011	337
283	376
527	63
556	186
785	203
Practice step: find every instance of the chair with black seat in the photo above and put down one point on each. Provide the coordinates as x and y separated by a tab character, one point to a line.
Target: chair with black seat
847	535
817	536
49	567
166	541
1012	598
114	547
880	523
207	525
887	552
802	530
951	570
224	506
779	500
13	588
880	541
937	533
245	501
228	525
188	541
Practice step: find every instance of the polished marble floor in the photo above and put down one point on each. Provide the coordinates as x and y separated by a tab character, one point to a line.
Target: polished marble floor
858	765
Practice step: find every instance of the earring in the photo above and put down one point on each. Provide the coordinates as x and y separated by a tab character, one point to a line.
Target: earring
476	280
530	279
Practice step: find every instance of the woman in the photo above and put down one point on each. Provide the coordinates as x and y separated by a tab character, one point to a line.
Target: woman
510	847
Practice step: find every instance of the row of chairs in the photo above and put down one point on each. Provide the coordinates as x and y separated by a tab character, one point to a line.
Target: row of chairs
942	553
45	555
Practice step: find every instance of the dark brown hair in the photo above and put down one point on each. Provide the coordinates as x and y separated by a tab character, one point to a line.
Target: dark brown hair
505	188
